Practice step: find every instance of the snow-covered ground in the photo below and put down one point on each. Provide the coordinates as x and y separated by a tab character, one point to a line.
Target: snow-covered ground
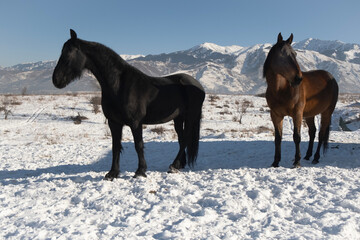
51	174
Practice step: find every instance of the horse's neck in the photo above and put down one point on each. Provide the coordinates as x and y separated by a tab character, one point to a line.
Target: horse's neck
278	86
105	64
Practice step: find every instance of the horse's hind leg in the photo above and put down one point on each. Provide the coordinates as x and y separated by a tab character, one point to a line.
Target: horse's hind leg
323	135
180	160
312	131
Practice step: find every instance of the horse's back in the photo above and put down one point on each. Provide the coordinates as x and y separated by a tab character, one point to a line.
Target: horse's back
192	89
321	91
319	81
185	80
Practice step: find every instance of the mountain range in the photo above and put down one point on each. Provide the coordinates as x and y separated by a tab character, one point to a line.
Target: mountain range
220	69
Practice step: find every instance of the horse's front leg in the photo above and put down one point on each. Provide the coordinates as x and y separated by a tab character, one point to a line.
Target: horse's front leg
297	139
139	147
278	125
116	134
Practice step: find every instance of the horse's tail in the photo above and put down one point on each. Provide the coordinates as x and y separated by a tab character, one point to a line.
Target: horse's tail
192	124
335	93
192	128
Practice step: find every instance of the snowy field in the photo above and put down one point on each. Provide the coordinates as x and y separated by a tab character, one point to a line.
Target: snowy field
51	173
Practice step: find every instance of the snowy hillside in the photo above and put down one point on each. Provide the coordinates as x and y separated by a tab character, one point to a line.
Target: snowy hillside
36	78
335	49
238	70
221	69
55	151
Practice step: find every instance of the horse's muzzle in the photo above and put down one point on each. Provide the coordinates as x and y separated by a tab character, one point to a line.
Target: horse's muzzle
57	83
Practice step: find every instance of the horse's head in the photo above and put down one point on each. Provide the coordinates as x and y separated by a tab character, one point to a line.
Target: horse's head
71	62
282	60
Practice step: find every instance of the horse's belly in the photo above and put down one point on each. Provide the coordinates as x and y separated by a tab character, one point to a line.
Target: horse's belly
157	118
314	107
168	104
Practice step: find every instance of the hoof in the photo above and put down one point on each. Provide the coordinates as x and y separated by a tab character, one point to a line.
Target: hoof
111	175
296	163
140	174
275	165
307	158
173	169
315	161
296	166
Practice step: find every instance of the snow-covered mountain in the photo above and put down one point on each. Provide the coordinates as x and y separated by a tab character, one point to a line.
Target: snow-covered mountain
36	78
349	52
236	69
221	69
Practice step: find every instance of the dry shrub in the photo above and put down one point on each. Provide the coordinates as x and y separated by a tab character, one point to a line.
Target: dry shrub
245	105
96	109
225	111
159	130
242	110
5	106
107	133
213	98
95	102
7	101
6	111
348	97
264	129
72	94
24	91
78	119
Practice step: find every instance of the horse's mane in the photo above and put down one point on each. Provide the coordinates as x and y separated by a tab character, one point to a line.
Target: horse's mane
106	51
111	56
267	61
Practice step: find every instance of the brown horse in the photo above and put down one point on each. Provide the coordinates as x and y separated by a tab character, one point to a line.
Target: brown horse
291	92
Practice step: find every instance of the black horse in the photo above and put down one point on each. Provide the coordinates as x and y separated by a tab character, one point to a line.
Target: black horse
130	97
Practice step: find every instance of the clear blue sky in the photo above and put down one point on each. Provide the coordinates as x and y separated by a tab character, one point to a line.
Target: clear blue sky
36	30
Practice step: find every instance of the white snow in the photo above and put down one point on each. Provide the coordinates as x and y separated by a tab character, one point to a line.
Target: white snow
51	174
233	49
129	57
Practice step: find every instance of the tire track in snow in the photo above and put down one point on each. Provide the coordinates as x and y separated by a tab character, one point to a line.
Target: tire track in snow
35	115
23	122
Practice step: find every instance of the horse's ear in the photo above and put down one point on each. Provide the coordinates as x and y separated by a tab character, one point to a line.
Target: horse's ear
280	38
73	34
290	39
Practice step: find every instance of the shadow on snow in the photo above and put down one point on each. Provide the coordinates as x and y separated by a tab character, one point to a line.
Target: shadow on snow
212	155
